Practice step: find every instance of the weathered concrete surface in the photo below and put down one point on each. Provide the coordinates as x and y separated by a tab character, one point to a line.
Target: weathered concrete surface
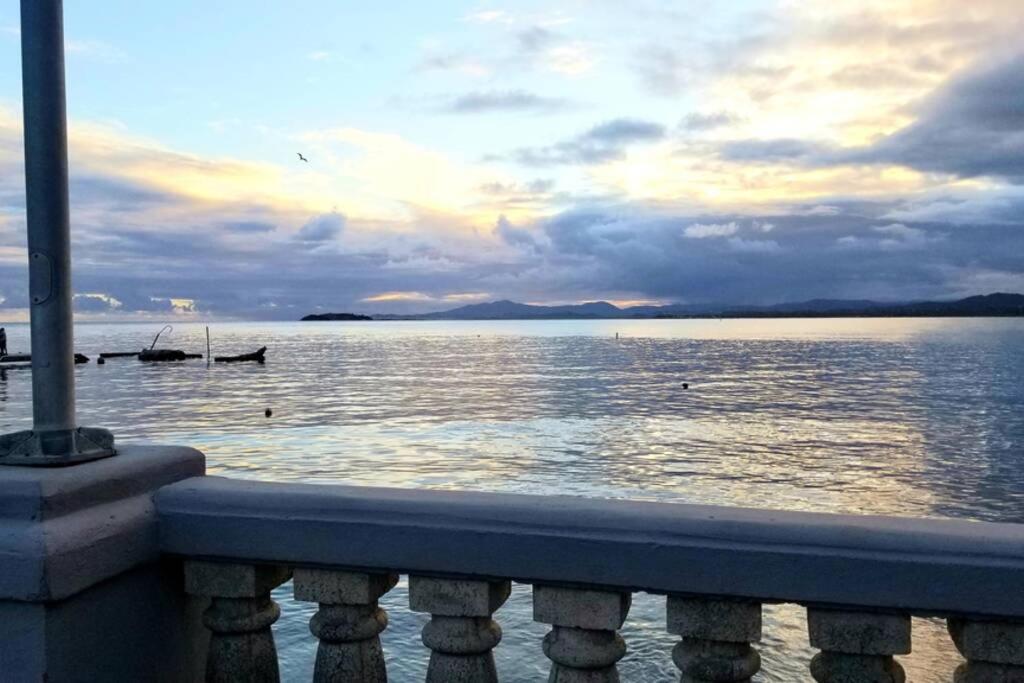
716	638
930	566
348	623
731	621
580	608
583	644
139	626
240	615
859	633
84	592
230	580
65	529
857	646
994	651
465	598
460	633
332	587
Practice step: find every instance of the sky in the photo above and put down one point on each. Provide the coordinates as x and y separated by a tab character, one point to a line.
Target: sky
749	152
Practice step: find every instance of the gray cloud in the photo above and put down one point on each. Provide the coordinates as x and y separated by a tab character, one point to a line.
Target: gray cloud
514	236
700	122
838	249
249	226
605	142
536	38
323	228
972	127
490	101
778	150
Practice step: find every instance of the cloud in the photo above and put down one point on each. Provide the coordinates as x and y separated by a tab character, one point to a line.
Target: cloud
1000	207
95	303
789	150
971	127
900	236
454	61
249	227
490	101
517	237
663	70
605	142
571	59
705	230
543	48
322	228
387	297
974	126
753	246
535	39
702	122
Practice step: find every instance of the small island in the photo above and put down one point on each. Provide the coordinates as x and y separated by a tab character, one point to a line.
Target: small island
335	316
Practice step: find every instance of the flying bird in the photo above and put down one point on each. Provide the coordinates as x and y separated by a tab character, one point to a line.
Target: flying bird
302	158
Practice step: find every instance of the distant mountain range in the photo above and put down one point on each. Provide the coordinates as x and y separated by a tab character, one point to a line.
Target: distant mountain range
998	304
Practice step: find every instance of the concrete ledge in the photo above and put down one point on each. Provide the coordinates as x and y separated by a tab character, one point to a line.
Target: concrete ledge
922	566
63	530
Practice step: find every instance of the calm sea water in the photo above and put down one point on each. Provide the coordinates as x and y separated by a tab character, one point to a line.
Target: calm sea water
904	417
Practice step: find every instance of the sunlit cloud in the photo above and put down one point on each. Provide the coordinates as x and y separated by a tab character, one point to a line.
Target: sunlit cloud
571	60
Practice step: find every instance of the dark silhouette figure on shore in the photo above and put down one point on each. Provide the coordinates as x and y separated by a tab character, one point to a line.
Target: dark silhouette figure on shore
3	342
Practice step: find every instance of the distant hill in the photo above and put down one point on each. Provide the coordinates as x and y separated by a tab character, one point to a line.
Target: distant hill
335	316
998	304
510	310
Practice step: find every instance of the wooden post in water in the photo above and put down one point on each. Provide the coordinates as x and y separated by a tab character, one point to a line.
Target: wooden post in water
208	356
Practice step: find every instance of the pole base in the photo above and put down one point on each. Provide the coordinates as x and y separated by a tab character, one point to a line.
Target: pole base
56	448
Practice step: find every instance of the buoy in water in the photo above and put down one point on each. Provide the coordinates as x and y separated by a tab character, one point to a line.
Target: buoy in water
686	385
268	412
101	361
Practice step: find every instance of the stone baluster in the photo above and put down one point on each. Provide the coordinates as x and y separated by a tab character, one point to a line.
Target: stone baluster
583	644
239	618
348	623
857	646
716	639
994	651
461	632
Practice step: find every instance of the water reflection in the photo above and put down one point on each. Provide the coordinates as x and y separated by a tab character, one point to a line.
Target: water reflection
910	417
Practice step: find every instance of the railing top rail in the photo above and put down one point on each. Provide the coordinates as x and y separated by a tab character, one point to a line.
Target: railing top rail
922	565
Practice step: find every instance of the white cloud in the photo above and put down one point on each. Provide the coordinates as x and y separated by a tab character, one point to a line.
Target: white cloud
570	60
699	231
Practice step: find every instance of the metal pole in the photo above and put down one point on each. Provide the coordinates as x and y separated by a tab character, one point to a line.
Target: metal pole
49	230
54	439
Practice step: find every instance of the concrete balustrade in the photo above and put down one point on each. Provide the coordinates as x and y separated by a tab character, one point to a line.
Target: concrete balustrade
716	639
857	646
348	623
586	557
583	644
239	618
115	534
994	650
461	633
